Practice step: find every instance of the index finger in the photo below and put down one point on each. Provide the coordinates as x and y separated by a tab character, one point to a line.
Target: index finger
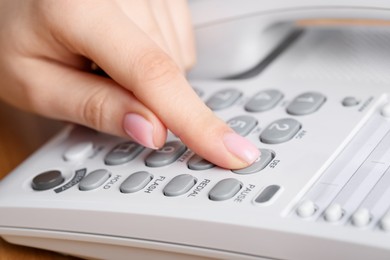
135	61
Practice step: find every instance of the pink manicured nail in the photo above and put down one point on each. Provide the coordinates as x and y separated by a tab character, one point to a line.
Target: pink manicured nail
241	147
139	129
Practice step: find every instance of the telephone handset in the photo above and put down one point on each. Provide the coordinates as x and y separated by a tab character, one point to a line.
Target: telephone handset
319	111
261	25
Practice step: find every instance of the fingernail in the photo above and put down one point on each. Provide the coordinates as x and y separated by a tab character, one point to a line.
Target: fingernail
241	147
139	129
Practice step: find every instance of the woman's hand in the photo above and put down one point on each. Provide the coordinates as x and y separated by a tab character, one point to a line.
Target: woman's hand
46	51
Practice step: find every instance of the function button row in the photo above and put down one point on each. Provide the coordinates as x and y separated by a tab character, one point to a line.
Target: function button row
123	153
169	153
223	99
264	100
280	131
306	103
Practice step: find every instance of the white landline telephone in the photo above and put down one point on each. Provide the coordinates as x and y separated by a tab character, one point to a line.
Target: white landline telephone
314	100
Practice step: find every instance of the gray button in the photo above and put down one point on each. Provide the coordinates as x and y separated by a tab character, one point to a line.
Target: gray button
135	182
197	163
79	175
225	189
242	125
169	153
179	185
350	102
223	99
264	100
306	103
265	158
123	153
94	180
280	131
267	194
47	180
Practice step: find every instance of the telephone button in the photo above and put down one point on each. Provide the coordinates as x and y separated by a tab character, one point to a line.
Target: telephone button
264	100
135	182
169	153
179	185
361	217
47	180
385	222
94	180
333	213
223	99
78	152
242	125
306	103
306	209
280	131
197	163
225	189
265	158
267	194
123	153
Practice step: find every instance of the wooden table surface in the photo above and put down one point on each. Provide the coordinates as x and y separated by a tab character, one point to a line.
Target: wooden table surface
20	135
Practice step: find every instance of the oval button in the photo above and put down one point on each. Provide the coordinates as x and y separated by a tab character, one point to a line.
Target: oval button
280	131
223	99
179	185
135	182
94	180
225	189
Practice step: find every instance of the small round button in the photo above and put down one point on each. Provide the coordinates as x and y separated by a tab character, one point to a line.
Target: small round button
333	213
361	217
385	111
47	180
350	102
306	209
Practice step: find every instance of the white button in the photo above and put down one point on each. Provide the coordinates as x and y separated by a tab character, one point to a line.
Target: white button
306	209
361	217
385	222
333	213
385	111
79	151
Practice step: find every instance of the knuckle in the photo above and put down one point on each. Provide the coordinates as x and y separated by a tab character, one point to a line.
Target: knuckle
93	109
156	68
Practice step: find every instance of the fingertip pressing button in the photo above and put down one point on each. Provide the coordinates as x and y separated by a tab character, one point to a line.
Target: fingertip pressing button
78	151
306	209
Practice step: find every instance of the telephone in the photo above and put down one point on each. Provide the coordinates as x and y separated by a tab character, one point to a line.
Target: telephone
314	100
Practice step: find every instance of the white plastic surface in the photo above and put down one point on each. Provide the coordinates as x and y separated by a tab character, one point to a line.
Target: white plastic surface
105	223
